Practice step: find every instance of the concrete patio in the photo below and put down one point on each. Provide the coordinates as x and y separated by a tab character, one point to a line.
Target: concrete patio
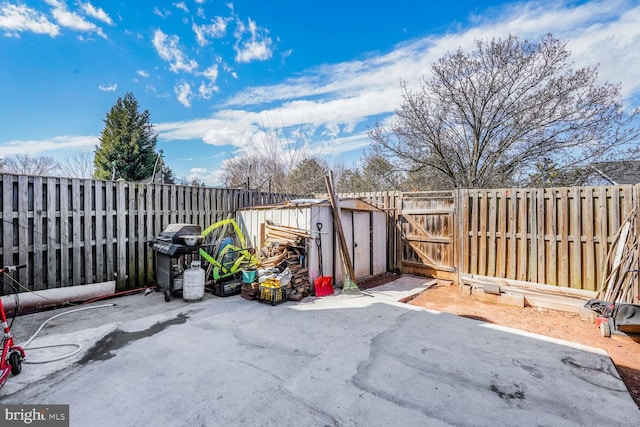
341	360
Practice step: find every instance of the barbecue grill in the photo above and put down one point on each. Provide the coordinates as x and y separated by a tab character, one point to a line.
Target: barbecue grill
172	246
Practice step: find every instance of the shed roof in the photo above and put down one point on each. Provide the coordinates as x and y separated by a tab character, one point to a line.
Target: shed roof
349	203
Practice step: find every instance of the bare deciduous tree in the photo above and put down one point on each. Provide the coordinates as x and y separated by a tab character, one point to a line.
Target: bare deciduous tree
308	176
377	173
25	164
485	118
79	165
268	164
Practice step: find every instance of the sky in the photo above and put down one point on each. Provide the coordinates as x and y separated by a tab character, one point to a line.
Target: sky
221	78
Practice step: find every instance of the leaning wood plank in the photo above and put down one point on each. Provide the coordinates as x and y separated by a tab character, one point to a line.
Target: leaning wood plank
634	296
622	241
344	252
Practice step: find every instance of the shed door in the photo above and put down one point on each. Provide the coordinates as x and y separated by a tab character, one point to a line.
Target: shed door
361	244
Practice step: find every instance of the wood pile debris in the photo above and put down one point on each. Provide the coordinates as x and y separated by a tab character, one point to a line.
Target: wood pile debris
620	284
286	248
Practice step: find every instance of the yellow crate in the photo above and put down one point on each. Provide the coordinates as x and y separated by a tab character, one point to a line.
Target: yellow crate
272	293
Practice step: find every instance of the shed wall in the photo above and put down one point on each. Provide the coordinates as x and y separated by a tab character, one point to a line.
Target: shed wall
367	229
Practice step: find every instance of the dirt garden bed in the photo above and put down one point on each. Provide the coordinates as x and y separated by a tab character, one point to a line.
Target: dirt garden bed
446	297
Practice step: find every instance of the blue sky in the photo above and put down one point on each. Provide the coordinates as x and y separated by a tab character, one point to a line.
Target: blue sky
219	77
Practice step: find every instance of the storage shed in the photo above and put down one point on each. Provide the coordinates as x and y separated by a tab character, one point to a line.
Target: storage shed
364	228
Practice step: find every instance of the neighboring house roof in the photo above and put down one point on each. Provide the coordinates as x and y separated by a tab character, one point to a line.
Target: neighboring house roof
618	173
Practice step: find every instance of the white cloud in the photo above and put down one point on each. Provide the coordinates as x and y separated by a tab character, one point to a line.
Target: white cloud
206	90
108	88
72	20
169	49
211	73
217	29
96	12
161	13
143	73
20	18
183	93
182	6
219	131
57	144
258	45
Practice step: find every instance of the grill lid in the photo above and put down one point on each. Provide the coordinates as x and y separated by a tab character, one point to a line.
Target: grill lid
178	239
173	233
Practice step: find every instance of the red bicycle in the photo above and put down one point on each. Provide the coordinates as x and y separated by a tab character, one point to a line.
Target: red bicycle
12	355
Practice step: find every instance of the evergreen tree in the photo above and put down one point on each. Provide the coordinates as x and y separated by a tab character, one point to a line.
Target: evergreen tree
127	143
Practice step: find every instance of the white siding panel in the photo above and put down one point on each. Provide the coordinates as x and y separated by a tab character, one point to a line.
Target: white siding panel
367	253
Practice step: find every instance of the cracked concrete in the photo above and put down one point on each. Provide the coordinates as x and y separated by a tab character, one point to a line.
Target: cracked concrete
335	361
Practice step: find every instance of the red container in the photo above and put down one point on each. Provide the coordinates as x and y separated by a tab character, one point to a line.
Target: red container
323	286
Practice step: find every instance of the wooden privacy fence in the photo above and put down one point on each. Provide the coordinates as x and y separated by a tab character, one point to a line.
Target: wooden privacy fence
78	231
555	236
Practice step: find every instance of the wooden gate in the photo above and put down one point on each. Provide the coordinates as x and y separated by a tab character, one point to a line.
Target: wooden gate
427	227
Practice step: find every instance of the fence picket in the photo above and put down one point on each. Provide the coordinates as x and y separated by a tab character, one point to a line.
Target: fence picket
38	232
23	225
100	195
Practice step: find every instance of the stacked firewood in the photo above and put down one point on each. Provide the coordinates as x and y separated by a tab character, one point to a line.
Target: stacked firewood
286	248
299	285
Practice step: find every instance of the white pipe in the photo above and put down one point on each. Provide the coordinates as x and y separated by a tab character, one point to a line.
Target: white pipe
36	300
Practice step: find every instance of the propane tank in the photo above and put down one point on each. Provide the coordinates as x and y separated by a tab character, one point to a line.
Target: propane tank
193	282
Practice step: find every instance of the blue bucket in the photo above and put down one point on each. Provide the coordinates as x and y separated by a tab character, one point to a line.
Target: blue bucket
249	276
